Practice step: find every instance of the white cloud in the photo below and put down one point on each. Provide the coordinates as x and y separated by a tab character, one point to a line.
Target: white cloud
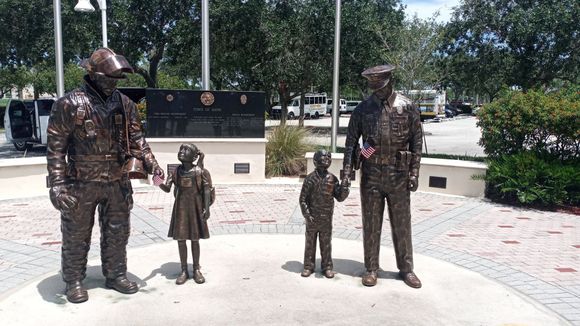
426	8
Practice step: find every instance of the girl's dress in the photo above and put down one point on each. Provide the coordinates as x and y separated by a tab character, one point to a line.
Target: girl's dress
187	221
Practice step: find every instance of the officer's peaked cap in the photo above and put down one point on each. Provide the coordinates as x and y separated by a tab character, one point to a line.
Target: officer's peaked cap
379	76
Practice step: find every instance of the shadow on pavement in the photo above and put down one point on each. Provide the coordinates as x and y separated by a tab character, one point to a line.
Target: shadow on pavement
168	270
341	266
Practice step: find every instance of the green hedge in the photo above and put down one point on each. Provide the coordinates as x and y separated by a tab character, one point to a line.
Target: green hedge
529	179
533	144
535	121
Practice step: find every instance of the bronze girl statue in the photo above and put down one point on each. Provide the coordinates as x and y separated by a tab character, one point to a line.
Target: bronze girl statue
193	196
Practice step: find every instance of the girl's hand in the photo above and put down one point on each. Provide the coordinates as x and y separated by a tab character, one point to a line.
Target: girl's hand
206	214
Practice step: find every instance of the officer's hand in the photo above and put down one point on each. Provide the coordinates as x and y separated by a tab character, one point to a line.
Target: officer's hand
413	183
206	214
309	218
61	199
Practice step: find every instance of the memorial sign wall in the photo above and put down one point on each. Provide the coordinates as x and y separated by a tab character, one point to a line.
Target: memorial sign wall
205	114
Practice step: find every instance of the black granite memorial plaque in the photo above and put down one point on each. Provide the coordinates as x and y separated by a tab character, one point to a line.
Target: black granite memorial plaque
205	114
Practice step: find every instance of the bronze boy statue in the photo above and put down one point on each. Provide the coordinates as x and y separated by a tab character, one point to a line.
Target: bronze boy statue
317	204
193	196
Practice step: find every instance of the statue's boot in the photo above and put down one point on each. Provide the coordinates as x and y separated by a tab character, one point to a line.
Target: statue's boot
197	276
328	273
306	272
122	284
75	292
182	278
411	279
369	278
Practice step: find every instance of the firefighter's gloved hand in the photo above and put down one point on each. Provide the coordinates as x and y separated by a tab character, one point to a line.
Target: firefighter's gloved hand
61	199
413	183
159	172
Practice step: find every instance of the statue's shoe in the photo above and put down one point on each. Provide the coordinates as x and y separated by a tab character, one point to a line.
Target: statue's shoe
76	293
122	284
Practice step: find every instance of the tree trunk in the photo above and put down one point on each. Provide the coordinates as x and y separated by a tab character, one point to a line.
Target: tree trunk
283	91
145	74
301	120
154	64
284	108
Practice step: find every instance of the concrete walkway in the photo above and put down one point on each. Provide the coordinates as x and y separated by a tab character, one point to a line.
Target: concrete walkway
481	264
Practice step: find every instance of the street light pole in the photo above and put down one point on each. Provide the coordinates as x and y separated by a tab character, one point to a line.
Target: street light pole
58	49
103	7
205	44
335	79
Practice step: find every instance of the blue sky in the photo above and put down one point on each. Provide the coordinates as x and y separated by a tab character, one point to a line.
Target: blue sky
426	8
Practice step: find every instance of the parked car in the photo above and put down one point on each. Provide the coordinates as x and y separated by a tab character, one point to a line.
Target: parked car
341	109
25	122
351	105
451	111
463	107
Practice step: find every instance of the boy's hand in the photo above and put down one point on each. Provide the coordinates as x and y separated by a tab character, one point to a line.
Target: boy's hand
309	218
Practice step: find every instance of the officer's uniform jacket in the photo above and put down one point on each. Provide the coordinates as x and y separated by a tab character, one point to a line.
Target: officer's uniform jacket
394	130
88	136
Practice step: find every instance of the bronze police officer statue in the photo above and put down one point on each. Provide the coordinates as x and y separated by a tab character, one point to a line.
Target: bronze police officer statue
392	141
93	133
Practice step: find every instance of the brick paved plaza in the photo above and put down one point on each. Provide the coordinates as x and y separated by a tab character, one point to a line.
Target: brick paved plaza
534	252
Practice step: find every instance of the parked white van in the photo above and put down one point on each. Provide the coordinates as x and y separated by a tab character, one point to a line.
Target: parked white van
314	106
25	122
341	108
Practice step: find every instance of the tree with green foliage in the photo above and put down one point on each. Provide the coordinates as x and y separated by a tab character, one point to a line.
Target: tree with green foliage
142	30
525	43
414	52
366	27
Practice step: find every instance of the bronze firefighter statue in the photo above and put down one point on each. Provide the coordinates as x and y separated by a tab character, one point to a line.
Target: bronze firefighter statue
95	143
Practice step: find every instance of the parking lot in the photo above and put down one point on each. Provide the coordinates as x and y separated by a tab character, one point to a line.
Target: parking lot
455	136
7	149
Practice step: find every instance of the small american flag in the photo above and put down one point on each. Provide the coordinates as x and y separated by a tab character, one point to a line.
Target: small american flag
157	180
367	150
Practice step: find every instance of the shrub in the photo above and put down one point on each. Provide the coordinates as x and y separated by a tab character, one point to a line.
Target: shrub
285	150
528	178
534	121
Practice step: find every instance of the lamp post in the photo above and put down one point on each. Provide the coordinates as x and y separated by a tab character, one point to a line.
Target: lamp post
335	79
58	49
85	6
205	44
